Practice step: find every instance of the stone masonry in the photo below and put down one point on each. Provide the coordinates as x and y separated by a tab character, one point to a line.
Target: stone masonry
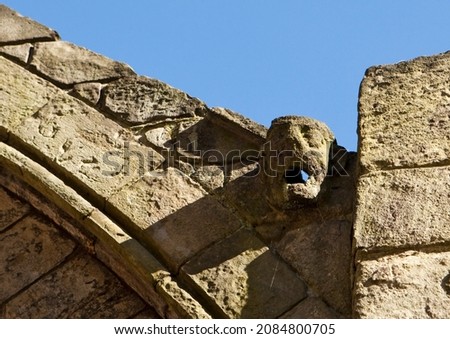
121	196
402	217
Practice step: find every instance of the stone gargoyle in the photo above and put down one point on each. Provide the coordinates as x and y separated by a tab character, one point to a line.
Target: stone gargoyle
295	160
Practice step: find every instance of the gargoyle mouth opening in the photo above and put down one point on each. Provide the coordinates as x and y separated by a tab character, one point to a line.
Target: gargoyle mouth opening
296	176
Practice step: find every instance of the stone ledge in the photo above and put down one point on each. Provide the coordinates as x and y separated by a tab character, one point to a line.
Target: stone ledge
66	64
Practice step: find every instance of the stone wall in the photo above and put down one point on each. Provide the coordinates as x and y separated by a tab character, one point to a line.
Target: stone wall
179	210
171	195
402	217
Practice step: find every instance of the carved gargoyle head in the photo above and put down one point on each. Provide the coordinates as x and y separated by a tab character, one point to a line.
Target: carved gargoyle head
295	161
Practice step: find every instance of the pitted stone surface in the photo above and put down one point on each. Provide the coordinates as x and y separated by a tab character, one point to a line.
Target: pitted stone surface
403	208
241	278
68	64
27	251
16	28
80	288
11	209
138	100
96	150
405	114
407	285
21	93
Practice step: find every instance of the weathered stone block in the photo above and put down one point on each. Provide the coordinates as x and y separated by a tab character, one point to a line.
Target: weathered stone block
240	278
19	53
68	64
16	28
88	92
27	251
80	288
403	208
21	93
158	194
407	285
91	149
138	100
160	136
404	114
11	209
321	252
173	215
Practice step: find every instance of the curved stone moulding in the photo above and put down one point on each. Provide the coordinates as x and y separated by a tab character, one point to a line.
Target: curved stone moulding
97	233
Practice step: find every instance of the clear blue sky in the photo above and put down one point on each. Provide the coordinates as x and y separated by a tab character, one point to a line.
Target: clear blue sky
262	58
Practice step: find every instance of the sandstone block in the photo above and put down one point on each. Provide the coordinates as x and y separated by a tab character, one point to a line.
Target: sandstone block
27	251
80	288
68	64
16	28
161	192
321	252
240	278
402	208
80	143
405	114
407	285
113	241
173	216
21	93
138	100
88	92
11	209
160	136
19	53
